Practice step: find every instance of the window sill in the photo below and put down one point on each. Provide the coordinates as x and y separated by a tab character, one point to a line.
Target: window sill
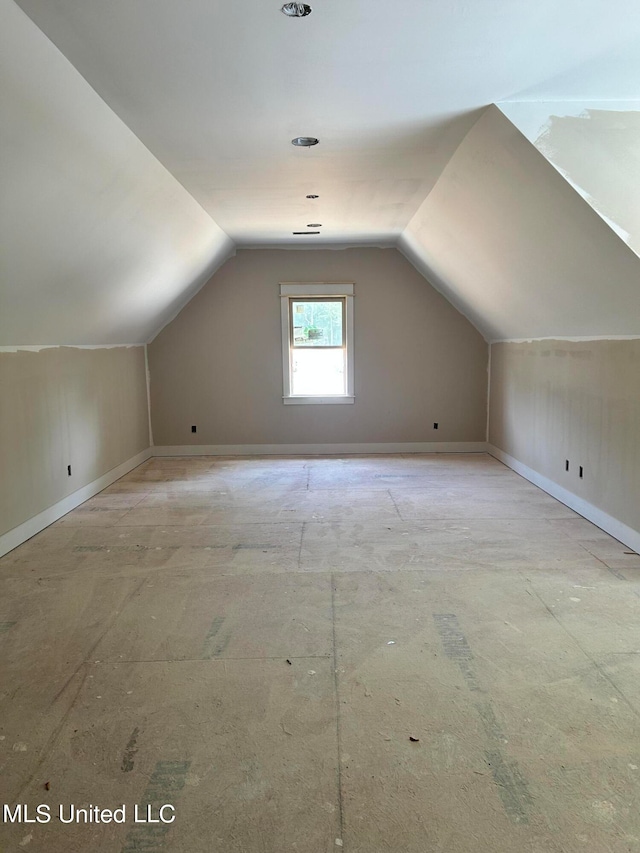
298	401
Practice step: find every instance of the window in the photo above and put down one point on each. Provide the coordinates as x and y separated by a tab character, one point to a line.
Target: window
317	342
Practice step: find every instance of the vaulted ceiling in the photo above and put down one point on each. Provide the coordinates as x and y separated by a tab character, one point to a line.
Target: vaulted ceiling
145	140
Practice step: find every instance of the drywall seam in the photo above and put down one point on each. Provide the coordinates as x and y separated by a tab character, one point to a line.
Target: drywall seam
12	538
319	449
566	338
147	376
40	347
620	531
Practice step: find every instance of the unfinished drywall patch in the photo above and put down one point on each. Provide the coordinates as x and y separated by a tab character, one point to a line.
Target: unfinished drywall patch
218	365
516	248
61	407
598	151
554	401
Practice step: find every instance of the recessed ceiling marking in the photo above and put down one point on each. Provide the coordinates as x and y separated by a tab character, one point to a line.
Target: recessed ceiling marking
296	10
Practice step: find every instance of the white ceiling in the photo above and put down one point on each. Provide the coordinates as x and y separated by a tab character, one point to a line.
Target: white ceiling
157	136
216	91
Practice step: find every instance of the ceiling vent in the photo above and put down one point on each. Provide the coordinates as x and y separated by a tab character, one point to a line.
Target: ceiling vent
297	10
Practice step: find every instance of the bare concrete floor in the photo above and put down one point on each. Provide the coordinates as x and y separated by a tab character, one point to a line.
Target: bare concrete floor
369	654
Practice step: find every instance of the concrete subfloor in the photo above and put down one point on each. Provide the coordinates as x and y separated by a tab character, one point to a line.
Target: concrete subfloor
393	653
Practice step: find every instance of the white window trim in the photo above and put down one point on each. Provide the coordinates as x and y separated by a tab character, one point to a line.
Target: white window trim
316	288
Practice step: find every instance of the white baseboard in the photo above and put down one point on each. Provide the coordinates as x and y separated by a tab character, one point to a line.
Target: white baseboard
24	531
320	449
620	531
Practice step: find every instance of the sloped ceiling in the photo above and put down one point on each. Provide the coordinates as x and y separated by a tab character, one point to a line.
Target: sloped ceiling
216	91
99	243
517	249
596	147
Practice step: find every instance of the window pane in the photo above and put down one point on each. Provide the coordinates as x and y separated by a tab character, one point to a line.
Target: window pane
317	323
317	372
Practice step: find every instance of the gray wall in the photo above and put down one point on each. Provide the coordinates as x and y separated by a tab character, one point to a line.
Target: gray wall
554	400
417	360
62	406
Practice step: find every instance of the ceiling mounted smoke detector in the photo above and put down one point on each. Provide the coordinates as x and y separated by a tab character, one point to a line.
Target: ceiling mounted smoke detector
304	141
296	10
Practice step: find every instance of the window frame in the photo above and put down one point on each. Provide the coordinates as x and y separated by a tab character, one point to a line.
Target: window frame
291	291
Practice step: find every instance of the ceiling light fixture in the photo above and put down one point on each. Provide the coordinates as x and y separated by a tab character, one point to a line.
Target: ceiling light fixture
296	10
313	196
298	233
304	141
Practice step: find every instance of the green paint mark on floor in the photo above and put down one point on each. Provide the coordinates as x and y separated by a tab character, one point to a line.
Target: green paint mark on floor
166	782
213	644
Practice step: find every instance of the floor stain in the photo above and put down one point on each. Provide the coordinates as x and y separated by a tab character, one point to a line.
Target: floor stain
130	752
